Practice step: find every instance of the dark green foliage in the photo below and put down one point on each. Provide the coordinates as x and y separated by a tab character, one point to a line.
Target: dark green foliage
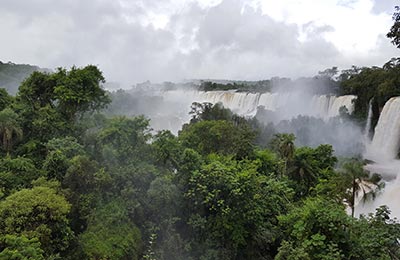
317	230
17	173
220	136
10	129
257	86
110	235
52	103
394	32
376	236
5	99
235	206
124	138
378	83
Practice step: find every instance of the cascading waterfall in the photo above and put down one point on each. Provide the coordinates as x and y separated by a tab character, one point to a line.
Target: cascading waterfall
246	103
383	150
386	141
368	124
176	105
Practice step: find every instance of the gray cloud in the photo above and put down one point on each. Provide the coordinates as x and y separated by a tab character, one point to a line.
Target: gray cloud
228	40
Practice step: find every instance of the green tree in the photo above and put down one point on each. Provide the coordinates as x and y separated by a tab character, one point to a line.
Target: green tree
394	32
38	213
51	104
110	235
17	173
360	183
79	91
220	136
376	236
235	207
20	247
124	138
316	230
167	149
283	144
5	99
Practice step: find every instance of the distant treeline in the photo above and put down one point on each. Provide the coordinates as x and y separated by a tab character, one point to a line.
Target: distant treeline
12	75
323	83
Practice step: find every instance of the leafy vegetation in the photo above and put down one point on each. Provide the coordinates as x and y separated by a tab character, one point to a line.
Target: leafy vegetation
77	184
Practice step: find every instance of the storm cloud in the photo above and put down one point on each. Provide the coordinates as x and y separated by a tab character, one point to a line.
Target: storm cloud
135	41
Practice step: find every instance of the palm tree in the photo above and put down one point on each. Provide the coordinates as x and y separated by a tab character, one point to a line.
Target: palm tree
10	129
284	145
303	171
363	185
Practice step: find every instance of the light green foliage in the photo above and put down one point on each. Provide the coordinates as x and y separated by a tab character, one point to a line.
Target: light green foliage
20	248
110	235
234	205
37	213
316	230
17	173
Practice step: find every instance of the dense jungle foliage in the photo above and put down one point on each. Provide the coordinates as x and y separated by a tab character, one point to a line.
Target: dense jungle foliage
76	184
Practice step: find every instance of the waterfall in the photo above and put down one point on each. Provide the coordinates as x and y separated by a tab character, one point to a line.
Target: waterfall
242	103
175	105
383	151
288	104
368	124
386	141
335	103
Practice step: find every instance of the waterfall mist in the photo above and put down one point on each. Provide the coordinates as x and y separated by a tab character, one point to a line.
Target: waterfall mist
311	114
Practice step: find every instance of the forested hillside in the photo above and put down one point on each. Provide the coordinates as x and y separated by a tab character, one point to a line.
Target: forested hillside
12	75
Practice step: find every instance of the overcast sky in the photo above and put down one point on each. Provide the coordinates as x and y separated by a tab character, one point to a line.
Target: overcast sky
169	40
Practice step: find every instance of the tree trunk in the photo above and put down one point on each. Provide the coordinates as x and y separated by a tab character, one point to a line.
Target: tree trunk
353	197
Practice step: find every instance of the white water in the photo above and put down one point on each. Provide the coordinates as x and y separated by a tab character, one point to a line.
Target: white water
287	104
368	124
383	151
385	144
